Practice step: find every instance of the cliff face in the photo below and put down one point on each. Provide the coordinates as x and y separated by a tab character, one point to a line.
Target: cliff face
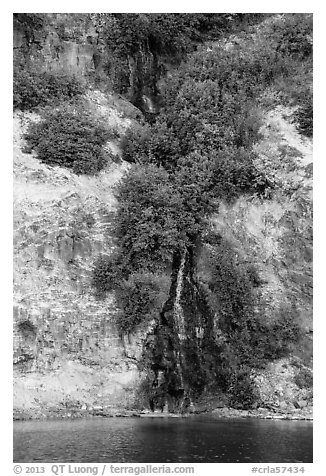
272	236
275	236
68	355
66	42
75	44
67	351
66	346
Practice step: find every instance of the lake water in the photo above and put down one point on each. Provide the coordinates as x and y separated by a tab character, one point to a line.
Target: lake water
197	439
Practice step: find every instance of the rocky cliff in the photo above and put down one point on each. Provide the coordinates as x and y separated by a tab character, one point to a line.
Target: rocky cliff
68	354
76	44
275	236
66	347
69	358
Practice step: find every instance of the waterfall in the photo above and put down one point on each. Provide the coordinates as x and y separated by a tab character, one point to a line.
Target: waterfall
148	104
176	356
178	315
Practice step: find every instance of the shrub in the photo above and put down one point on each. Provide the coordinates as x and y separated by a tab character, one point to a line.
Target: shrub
294	35
233	293
27	328
32	88
33	21
133	144
242	390
105	275
304	115
160	212
139	295
230	288
30	22
140	298
71	139
276	340
198	152
304	378
147	228
166	33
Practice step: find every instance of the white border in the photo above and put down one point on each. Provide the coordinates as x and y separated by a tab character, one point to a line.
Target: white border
6	187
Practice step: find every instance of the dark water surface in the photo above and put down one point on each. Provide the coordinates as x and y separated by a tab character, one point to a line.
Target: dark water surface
198	439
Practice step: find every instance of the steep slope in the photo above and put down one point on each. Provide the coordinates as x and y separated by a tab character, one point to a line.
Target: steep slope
275	236
277	233
272	237
69	358
68	355
66	347
241	289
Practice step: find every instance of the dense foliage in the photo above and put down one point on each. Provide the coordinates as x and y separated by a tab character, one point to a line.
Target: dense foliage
166	33
140	294
199	150
234	291
30	22
242	389
304	114
32	88
69	138
139	44
246	339
304	378
212	101
197	153
141	297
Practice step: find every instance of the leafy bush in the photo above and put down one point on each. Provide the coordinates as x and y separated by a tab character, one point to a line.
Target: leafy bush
105	275
133	144
143	35
30	22
214	108
148	225
27	329
235	299
160	211
197	153
165	33
304	115
211	101
242	390
294	35
278	339
304	378
32	88
139	295
69	138
140	298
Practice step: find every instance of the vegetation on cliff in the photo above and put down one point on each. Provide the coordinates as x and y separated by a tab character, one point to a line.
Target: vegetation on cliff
69	138
199	150
139	40
197	153
33	88
167	33
211	325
